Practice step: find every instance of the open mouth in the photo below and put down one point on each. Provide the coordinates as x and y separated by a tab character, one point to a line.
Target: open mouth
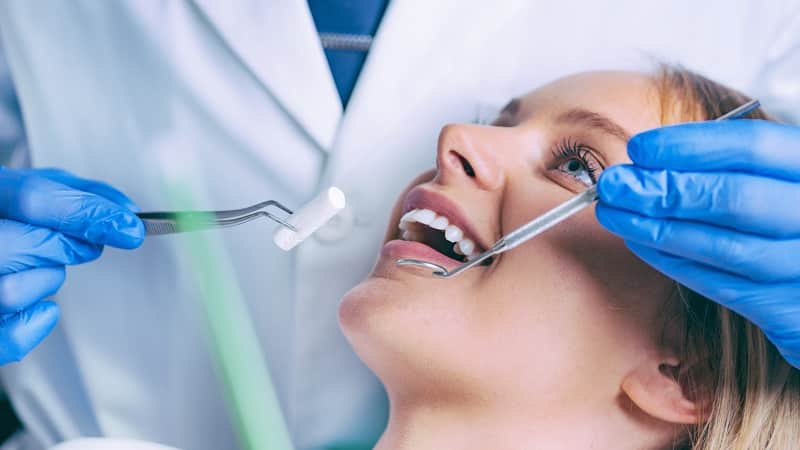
440	233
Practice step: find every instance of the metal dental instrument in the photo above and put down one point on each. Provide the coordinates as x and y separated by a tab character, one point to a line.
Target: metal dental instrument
168	222
516	237
543	222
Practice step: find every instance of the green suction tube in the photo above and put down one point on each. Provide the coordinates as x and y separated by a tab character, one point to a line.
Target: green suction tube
250	396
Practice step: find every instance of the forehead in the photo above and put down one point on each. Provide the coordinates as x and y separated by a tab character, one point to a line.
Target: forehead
628	98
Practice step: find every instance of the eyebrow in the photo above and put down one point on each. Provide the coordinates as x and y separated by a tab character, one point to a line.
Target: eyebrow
511	107
594	120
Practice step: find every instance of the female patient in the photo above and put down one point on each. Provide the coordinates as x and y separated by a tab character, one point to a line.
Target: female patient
569	341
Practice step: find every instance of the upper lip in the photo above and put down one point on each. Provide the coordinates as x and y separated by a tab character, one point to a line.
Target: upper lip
422	198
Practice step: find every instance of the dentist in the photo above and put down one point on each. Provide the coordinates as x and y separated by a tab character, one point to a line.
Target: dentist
272	99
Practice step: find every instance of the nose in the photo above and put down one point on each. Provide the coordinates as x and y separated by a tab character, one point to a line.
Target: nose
469	153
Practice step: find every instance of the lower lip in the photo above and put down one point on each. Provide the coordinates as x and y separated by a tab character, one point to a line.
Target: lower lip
397	249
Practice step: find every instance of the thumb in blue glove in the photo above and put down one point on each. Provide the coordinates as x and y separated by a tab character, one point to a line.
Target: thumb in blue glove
83	209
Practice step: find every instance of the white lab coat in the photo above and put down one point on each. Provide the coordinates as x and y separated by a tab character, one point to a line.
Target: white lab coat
109	444
242	89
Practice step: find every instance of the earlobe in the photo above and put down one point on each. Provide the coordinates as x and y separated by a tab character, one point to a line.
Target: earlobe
660	395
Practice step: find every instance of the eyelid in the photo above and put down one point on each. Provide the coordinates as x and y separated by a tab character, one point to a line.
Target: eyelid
594	153
598	156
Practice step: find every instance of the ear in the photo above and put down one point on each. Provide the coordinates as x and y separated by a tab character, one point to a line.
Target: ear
654	389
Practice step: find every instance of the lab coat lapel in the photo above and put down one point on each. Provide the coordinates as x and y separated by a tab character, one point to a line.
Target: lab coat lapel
394	79
278	42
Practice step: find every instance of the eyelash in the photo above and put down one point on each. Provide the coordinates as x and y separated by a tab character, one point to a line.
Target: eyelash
569	149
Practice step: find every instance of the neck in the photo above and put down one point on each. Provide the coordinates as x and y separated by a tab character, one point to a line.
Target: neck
468	424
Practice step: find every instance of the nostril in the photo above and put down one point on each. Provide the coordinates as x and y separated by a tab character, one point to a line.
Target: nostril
467	166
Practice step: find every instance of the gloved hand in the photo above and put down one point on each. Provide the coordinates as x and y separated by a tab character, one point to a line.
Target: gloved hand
50	219
716	206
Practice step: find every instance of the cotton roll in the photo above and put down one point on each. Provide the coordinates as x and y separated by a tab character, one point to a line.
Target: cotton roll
310	218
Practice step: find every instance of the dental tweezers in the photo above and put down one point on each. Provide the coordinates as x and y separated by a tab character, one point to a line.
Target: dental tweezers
168	222
542	223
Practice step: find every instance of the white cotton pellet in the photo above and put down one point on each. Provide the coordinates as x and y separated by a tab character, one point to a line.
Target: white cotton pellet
310	218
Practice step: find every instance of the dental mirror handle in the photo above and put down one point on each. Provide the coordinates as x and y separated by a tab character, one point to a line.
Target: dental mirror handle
518	236
550	219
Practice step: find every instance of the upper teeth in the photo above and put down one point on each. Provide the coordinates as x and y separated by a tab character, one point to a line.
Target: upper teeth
427	217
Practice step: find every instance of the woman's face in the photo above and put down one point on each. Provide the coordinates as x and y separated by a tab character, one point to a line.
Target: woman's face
555	322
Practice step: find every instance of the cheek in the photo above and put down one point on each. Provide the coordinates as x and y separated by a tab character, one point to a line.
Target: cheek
616	277
578	256
577	298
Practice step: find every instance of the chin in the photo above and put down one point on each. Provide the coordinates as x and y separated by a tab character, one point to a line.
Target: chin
412	337
370	320
377	313
361	306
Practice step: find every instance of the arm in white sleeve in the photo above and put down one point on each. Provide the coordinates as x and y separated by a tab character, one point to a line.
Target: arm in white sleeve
13	142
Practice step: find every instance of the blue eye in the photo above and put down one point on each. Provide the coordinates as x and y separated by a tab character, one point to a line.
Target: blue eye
578	169
576	160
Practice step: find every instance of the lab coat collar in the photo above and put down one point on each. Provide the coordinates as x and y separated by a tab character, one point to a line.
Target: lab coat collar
278	42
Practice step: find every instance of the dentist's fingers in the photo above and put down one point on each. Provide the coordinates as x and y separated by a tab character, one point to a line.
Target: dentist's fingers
728	199
20	332
752	146
755	257
27	247
40	201
22	289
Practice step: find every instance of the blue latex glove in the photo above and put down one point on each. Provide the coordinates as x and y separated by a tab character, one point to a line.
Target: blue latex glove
50	219
716	206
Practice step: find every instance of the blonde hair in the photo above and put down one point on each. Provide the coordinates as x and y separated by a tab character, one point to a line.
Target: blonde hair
749	393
